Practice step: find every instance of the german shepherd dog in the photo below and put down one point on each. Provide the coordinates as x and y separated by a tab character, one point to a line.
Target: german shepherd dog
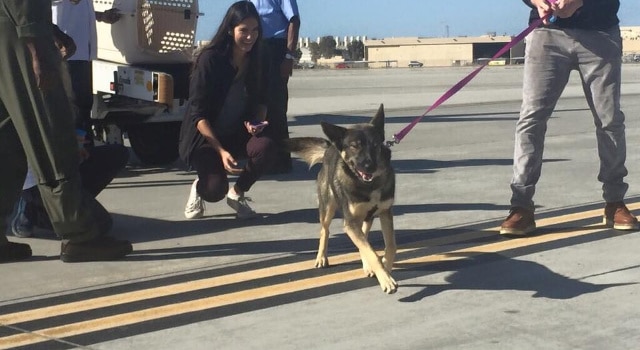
356	177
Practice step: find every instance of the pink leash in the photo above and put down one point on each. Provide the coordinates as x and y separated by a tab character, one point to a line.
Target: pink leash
453	90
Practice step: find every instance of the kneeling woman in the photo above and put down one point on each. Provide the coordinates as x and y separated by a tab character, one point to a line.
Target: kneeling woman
226	115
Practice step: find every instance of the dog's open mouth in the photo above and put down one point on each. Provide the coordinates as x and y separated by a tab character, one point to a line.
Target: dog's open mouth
366	177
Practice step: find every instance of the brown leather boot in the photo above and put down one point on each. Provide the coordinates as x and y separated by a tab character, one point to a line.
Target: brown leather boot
519	222
618	216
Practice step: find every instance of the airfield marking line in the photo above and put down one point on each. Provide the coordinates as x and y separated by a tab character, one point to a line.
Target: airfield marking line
266	291
182	287
505	245
177	288
174	309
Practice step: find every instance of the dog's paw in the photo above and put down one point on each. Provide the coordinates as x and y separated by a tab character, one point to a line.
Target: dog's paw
368	271
388	284
322	261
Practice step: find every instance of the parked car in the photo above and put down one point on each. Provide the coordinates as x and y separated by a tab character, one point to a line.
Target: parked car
341	65
415	64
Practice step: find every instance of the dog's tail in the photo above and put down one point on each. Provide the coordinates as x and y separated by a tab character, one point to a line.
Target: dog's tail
310	149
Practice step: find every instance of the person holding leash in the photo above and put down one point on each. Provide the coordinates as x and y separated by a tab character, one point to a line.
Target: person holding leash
226	115
582	35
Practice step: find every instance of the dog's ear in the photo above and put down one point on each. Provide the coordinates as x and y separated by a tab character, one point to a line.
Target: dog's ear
378	120
334	133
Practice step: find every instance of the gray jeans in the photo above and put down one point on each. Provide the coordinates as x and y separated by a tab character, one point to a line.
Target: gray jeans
550	57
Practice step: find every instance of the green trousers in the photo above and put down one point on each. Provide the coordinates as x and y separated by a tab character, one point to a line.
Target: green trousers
38	127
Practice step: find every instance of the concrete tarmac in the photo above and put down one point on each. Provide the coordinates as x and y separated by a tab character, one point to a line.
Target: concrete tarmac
220	283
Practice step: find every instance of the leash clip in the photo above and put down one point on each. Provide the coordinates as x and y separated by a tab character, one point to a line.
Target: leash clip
393	142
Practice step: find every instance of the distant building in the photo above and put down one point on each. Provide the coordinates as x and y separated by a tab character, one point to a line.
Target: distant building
630	40
455	51
630	33
341	43
461	51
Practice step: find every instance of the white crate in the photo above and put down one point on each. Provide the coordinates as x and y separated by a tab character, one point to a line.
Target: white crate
150	31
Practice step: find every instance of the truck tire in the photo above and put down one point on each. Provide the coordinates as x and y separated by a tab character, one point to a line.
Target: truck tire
155	143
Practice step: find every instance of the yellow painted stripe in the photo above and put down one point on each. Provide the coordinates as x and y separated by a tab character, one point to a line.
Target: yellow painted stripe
504	245
256	293
263	292
175	309
178	288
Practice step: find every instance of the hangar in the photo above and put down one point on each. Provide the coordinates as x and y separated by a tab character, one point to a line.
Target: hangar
456	51
461	51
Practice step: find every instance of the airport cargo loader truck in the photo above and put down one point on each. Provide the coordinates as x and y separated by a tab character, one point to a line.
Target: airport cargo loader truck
141	76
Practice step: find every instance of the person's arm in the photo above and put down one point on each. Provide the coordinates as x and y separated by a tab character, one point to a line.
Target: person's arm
293	31
205	73
286	68
205	129
32	20
110	16
201	88
229	163
65	43
289	9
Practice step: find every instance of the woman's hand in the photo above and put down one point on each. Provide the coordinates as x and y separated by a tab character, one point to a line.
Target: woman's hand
230	164
255	127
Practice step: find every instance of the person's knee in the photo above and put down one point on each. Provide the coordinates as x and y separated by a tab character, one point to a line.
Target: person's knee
263	147
212	192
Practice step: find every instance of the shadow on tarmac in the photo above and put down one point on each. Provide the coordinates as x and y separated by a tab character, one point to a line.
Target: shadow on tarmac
494	272
349	119
500	271
141	229
302	172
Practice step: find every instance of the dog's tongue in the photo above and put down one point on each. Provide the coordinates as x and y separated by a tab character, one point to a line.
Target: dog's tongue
365	176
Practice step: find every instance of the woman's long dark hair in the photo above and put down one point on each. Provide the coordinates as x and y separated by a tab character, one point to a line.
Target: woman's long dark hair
223	41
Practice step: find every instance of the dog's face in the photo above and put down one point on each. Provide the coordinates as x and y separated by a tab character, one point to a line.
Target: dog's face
361	146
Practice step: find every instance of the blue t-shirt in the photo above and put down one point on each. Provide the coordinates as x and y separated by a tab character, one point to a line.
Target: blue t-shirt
275	16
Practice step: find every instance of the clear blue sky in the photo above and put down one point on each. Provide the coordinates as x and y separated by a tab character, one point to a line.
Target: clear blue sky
389	18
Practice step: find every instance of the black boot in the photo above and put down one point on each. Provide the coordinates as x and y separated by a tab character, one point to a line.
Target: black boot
102	248
11	251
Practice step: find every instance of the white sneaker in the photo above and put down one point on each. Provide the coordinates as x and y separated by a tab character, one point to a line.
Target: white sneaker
242	208
195	205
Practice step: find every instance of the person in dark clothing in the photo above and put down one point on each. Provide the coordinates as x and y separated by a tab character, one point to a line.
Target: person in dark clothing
226	115
281	24
36	125
99	164
585	36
